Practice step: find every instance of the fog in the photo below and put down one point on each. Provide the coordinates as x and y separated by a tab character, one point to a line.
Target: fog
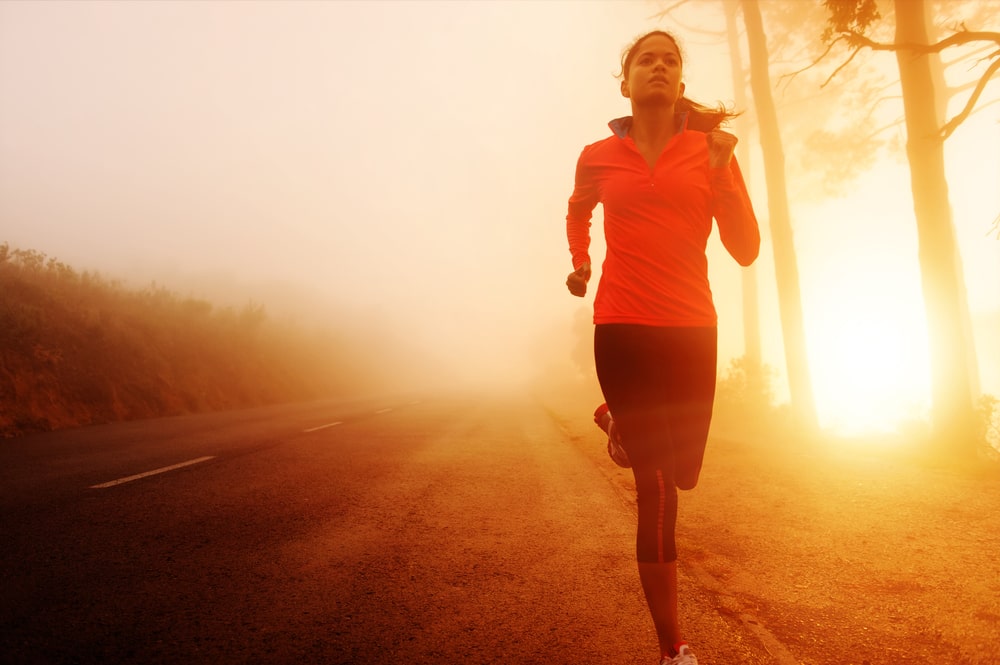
405	164
406	161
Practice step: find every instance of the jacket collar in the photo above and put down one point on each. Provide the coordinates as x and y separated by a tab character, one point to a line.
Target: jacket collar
620	126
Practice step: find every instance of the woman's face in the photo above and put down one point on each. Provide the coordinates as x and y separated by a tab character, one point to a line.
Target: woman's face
654	72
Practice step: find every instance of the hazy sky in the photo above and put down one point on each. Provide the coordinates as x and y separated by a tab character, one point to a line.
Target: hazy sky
410	159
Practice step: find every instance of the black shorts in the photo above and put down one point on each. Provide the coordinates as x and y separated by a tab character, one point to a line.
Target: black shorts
659	383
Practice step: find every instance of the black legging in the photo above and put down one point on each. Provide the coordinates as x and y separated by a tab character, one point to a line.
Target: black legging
659	383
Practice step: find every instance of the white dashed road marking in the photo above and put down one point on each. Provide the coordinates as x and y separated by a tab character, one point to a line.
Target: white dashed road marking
316	429
137	476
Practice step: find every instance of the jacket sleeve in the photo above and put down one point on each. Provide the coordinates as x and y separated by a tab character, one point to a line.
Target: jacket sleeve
584	199
734	214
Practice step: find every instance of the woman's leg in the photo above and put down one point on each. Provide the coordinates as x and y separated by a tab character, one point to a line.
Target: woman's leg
630	367
691	388
656	552
659	384
659	585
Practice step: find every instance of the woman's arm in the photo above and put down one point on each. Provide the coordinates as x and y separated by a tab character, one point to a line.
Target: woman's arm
581	207
734	214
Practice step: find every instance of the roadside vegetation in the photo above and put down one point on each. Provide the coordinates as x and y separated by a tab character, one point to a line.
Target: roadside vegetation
79	349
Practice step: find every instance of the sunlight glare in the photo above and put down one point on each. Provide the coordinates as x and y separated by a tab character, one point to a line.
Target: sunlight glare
866	329
870	364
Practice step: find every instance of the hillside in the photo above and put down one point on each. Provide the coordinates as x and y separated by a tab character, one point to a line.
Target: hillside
79	349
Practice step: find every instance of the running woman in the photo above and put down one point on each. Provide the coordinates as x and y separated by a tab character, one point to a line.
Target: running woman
664	173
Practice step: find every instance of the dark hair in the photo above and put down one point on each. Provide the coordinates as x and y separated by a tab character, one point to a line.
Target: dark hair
700	117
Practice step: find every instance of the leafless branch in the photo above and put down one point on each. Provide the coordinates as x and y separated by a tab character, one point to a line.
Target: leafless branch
972	58
995	228
663	13
859	41
854	54
953	124
895	124
688	29
991	56
792	75
956	39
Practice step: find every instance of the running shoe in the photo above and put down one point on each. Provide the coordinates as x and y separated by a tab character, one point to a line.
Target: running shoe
684	657
602	416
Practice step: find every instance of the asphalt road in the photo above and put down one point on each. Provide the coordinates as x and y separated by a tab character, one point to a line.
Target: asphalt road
434	530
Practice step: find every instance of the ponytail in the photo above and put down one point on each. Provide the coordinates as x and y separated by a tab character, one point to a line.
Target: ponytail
701	118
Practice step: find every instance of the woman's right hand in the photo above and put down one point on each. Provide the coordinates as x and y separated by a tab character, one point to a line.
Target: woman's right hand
577	280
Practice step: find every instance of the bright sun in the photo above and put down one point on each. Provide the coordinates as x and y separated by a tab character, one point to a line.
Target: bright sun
866	329
869	366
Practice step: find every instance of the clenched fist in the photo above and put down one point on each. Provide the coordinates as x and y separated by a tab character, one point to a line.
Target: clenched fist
720	148
577	280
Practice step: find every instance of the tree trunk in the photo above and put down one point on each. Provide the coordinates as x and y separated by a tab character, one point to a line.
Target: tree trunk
751	306
941	99
953	416
785	266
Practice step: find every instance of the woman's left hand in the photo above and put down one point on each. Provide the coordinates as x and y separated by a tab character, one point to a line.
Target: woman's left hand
720	148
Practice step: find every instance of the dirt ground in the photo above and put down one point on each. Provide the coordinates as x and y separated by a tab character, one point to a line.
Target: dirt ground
837	554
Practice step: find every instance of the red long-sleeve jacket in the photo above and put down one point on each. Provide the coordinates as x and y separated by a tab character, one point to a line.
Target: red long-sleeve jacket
657	224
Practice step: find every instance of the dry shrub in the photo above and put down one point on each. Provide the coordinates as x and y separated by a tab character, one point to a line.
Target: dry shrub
77	349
